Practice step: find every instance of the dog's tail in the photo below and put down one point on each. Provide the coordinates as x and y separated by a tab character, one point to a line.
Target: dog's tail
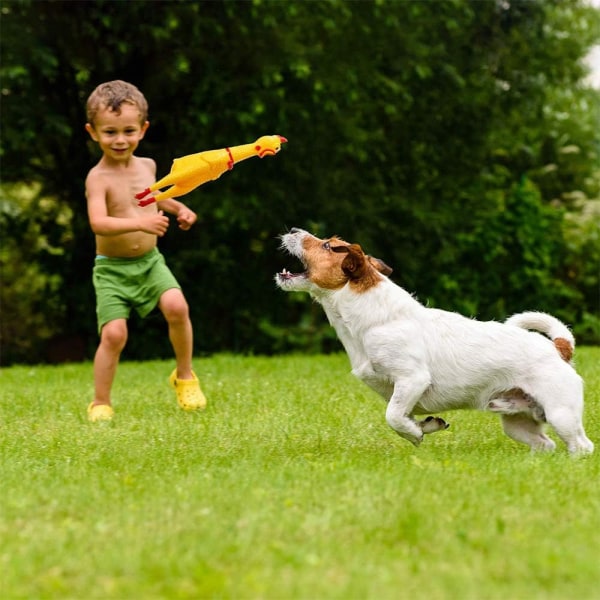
556	330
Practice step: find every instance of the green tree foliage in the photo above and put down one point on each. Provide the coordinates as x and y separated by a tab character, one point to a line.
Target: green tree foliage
450	138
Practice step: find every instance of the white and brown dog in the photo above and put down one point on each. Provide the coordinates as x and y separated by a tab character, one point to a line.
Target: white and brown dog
424	360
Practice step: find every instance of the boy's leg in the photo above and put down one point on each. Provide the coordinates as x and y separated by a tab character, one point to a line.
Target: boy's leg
112	341
175	309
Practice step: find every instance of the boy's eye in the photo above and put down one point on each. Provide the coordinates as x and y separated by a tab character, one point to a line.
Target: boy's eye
129	131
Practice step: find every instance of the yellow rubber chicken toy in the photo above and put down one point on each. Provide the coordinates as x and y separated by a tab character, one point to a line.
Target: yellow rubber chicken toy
188	172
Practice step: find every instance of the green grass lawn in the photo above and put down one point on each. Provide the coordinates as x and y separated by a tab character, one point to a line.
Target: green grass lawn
290	485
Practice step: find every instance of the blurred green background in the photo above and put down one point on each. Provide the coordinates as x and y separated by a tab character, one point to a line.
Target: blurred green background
456	140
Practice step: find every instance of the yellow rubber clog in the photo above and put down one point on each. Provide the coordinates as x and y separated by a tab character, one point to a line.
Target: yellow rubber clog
100	412
189	394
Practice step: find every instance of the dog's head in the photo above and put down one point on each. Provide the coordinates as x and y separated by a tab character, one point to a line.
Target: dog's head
329	264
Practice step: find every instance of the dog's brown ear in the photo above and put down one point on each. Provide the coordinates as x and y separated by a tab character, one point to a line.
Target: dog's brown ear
354	264
380	266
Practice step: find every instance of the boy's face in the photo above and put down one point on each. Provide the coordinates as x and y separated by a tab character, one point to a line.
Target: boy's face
118	135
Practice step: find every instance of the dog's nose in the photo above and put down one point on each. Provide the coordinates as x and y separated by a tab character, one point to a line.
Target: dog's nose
294	230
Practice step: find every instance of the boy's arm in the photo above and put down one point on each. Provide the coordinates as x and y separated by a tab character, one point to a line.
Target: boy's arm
185	216
104	224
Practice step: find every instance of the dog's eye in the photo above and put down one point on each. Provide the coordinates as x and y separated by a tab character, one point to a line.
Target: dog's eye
326	246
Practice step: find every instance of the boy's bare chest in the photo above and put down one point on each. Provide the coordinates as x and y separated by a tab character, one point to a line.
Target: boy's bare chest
122	190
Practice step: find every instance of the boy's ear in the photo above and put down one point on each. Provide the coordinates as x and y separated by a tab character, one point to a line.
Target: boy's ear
90	129
145	126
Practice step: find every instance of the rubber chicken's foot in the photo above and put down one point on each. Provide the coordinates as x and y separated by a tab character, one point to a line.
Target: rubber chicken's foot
143	194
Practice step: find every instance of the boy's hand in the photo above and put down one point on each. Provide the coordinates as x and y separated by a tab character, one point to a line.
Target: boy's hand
186	218
156	223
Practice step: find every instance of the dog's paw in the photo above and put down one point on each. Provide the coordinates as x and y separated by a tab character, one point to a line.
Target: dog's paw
433	424
415	441
414	437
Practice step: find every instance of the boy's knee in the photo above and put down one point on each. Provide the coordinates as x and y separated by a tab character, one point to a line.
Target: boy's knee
177	312
114	334
174	306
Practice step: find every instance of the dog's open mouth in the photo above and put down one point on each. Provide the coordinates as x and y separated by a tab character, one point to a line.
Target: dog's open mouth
286	275
291	244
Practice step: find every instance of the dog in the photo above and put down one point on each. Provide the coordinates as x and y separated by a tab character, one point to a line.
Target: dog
425	360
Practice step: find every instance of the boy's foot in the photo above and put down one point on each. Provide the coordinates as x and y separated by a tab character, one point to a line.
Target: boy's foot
189	394
100	412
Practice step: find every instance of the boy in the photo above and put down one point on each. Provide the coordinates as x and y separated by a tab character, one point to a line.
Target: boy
129	270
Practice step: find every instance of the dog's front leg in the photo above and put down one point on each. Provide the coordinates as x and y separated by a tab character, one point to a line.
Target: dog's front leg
406	395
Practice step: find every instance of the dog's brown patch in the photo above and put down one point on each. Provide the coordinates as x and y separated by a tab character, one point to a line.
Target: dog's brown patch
332	263
564	349
361	272
324	266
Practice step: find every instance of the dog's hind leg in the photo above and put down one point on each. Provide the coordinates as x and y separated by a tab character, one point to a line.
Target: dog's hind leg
562	397
568	426
524	429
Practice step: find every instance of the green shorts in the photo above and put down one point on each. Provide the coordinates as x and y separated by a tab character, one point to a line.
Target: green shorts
125	283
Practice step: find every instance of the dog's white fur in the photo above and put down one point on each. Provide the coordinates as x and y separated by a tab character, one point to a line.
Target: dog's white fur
424	360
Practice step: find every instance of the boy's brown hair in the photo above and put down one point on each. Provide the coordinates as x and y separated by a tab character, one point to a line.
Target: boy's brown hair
112	95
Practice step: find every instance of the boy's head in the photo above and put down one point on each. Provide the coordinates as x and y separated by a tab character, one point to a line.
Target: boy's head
111	95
